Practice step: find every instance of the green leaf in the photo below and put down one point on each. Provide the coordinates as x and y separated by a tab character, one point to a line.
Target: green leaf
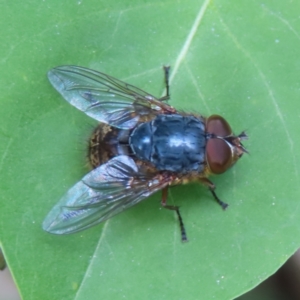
237	59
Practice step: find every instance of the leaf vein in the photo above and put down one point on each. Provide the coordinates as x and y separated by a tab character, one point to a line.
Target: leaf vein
268	88
189	38
88	270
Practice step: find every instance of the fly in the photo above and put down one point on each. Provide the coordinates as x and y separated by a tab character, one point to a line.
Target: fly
141	145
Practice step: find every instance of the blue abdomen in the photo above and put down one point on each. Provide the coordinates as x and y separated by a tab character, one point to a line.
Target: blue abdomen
171	142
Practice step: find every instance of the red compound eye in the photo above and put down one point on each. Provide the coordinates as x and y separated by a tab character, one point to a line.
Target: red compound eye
218	152
217	125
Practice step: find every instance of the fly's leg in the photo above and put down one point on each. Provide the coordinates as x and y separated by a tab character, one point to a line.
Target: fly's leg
212	188
167	73
220	202
176	208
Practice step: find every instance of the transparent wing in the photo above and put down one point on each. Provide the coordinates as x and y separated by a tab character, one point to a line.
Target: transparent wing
104	192
104	98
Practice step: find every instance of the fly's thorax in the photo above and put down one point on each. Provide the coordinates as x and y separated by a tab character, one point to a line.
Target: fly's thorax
223	148
173	143
107	142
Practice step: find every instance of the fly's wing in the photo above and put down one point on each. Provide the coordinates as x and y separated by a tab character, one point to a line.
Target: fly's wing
104	98
104	192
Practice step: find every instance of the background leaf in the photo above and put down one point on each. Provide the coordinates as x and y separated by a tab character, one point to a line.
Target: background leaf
237	59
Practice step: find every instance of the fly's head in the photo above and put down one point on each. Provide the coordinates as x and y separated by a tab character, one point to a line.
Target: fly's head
223	147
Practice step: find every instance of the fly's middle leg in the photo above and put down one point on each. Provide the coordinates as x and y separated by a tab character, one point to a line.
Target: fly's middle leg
176	208
167	73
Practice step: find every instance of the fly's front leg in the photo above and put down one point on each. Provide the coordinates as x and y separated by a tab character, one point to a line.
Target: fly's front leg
176	208
212	188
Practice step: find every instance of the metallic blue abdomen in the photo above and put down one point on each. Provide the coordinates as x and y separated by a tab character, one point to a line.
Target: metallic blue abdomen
171	142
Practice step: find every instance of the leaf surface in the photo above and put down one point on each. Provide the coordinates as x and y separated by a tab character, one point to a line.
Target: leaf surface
236	59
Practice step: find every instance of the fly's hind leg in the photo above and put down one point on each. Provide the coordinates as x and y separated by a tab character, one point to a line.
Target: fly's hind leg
176	208
212	188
